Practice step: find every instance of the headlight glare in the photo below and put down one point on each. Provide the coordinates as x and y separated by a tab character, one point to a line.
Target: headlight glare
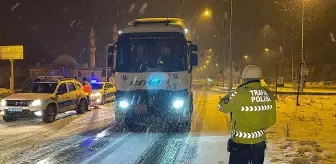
124	104
178	104
95	94
38	113
3	103
36	103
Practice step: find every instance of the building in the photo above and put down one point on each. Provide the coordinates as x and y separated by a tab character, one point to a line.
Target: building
66	65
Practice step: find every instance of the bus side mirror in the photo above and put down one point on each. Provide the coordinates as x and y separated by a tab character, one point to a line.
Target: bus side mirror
110	55
194	60
193	47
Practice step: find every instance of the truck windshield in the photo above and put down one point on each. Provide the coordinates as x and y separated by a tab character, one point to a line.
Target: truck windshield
152	55
40	88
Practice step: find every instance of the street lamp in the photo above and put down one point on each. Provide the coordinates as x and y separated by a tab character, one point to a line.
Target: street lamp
266	50
207	13
207	61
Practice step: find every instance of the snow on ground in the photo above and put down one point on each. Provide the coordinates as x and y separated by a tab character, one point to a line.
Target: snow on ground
306	133
30	133
302	134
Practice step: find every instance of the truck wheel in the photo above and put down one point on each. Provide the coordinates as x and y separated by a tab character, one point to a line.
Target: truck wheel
8	118
82	107
49	114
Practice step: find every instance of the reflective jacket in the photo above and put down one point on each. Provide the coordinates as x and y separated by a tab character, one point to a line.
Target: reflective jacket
252	109
87	89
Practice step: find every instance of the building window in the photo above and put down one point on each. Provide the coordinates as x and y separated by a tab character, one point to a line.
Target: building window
79	74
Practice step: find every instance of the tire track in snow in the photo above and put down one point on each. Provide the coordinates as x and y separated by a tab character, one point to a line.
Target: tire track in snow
164	150
192	143
53	148
75	153
170	146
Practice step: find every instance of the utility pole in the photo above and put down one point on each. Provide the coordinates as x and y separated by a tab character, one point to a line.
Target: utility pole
302	45
230	47
11	82
224	45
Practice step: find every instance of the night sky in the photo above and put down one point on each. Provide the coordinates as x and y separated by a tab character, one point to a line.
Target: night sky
48	28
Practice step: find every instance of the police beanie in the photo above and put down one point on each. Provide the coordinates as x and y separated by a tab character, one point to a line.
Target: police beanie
252	72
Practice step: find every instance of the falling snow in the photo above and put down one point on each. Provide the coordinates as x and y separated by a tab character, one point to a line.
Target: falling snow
143	8
15	6
72	23
131	8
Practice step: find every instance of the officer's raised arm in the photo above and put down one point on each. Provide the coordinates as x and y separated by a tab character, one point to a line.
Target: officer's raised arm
228	103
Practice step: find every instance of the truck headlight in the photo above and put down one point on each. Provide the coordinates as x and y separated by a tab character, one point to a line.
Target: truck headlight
3	103
36	103
123	104
178	103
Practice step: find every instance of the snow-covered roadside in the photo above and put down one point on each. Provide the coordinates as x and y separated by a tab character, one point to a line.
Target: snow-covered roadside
304	134
16	137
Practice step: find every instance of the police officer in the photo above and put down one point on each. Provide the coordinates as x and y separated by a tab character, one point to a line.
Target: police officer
252	110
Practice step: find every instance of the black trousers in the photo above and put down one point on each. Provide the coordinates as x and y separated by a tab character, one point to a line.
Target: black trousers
246	153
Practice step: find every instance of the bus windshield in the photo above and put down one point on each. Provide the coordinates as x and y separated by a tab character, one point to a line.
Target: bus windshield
152	55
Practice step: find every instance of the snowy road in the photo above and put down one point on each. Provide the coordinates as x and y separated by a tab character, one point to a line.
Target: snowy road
72	139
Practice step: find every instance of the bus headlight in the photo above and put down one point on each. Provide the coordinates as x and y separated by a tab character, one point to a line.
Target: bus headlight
36	103
178	103
3	103
124	104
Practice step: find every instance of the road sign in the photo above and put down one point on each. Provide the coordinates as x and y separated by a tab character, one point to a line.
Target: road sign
11	52
305	71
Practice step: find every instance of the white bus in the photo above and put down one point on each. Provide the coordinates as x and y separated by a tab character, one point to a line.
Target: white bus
153	61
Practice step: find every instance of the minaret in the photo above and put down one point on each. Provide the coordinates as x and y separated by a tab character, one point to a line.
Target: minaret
115	33
92	39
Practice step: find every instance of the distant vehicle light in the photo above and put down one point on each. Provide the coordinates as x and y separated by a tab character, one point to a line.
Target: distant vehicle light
120	32
95	94
186	30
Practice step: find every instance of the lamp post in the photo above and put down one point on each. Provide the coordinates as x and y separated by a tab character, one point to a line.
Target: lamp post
300	88
230	48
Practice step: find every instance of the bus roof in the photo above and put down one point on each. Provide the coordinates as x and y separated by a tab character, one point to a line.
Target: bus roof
143	25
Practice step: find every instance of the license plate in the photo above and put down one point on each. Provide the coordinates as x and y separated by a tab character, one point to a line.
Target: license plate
140	109
15	109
